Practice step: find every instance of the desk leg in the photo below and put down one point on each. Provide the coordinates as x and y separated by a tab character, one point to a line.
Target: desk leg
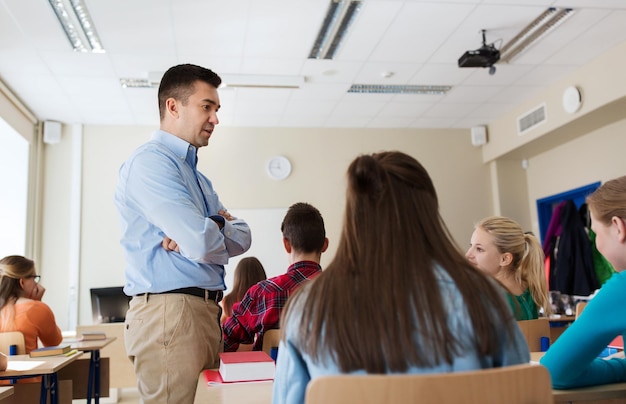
96	354
93	386
49	384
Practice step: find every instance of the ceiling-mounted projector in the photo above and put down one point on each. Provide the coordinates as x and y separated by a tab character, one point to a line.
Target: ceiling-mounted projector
485	56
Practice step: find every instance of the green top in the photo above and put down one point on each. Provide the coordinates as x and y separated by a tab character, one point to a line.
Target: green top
523	306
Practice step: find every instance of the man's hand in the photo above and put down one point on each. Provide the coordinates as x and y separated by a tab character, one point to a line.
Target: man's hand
169	244
226	215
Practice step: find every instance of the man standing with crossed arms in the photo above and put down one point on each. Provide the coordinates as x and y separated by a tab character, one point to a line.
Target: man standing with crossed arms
177	236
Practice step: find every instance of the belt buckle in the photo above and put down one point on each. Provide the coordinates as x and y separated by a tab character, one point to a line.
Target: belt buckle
207	296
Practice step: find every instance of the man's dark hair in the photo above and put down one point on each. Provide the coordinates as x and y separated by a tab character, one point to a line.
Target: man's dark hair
178	83
303	226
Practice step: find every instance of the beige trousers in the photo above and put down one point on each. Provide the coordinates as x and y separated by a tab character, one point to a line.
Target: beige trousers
171	338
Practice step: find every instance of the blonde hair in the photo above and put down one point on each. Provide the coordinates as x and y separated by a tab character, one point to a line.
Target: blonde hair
12	269
527	253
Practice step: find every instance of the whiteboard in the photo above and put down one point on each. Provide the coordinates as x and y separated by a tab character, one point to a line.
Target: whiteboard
267	242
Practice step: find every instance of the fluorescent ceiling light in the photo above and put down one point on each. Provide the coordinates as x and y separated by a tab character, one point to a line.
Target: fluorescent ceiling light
398	89
531	34
137	83
228	81
261	81
339	17
77	25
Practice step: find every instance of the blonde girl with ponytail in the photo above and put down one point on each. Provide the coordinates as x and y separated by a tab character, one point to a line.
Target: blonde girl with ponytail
500	248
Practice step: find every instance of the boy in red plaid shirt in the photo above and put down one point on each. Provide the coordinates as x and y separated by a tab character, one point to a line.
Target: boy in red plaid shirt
304	238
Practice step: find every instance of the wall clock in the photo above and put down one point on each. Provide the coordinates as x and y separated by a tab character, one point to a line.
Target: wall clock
279	167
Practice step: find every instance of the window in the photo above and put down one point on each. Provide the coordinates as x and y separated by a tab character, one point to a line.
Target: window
14	154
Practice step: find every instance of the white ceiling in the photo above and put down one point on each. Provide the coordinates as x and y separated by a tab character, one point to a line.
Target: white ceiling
419	41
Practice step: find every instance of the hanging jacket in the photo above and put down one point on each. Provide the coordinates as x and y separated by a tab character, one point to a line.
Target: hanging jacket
572	271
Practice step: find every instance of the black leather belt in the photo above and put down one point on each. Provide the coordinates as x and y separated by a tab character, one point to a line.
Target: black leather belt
213	295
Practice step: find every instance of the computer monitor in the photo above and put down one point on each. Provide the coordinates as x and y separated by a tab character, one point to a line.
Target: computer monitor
109	305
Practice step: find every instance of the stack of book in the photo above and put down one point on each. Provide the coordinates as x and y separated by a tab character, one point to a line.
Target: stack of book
92	335
237	367
52	350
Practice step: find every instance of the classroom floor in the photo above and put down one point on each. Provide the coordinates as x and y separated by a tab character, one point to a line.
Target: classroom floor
124	396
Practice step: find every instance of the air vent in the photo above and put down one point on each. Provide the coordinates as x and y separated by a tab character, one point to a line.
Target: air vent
398	89
531	119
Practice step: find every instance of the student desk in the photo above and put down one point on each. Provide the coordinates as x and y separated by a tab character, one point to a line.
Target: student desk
261	393
23	366
5	391
235	393
586	394
94	347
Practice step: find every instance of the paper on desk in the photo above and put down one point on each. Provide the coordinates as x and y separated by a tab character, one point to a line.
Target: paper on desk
23	365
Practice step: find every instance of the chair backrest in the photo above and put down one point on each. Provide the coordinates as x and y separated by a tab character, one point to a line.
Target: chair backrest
12	338
580	306
519	384
534	330
271	338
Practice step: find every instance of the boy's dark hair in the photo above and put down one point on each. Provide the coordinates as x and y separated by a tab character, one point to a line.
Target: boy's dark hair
178	83
303	226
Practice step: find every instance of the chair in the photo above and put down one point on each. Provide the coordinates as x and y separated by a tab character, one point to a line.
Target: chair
580	306
534	330
12	338
271	338
519	384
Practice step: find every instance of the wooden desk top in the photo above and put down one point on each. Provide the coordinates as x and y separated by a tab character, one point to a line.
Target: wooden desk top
24	365
90	345
601	392
564	319
6	391
595	393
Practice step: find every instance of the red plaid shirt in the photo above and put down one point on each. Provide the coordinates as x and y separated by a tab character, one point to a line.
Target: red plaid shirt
260	308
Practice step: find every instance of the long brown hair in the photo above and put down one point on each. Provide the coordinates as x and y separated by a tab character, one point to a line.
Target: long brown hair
12	269
383	281
527	253
248	272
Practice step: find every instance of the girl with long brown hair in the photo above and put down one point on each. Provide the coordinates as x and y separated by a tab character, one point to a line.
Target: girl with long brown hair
399	296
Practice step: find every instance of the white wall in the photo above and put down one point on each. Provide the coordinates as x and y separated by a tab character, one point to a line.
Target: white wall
566	152
235	161
598	156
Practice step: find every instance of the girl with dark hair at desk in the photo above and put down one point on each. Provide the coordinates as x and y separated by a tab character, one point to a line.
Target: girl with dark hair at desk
394	252
249	272
573	359
21	308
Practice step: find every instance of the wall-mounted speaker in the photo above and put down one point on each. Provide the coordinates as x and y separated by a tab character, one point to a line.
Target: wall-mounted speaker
479	136
51	132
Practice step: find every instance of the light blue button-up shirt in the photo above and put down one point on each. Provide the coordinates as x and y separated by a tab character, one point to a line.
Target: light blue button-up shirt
160	193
